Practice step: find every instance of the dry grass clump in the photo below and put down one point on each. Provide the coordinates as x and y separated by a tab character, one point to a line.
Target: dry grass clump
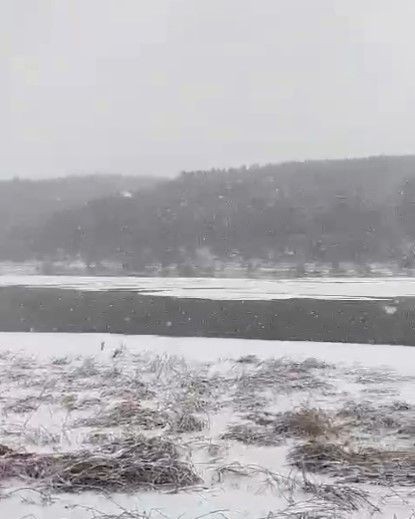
305	499
344	497
88	368
284	375
366	465
312	363
60	361
252	386
247	359
127	388
307	510
327	502
376	376
126	412
399	405
407	430
198	386
271	429
162	366
261	417
366	416
304	423
125	465
98	438
21	405
21	371
186	422
247	399
252	435
195	391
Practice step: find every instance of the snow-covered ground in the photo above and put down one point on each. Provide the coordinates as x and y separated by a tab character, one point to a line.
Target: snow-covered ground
46	345
47	365
230	289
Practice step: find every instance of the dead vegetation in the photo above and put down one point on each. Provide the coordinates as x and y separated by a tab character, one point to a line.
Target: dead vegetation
147	392
98	438
60	361
248	359
126	388
280	376
370	418
350	465
125	465
376	379
251	435
318	499
185	422
285	375
256	382
304	423
344	497
22	405
247	399
126	412
89	368
272	429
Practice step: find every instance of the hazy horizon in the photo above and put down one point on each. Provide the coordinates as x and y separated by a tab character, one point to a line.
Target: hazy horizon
154	88
252	166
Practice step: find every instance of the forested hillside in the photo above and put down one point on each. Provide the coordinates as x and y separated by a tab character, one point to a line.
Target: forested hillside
358	210
26	205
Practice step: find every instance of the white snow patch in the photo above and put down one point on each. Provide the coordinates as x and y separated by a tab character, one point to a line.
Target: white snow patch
229	289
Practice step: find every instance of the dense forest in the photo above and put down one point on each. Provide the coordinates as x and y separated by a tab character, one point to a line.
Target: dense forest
358	210
27	205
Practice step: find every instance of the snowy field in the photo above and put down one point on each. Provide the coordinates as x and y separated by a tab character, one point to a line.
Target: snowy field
241	416
230	289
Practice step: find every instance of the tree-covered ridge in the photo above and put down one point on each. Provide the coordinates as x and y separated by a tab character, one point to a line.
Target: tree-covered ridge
357	210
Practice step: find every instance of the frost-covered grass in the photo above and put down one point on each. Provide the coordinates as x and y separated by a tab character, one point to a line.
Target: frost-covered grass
198	427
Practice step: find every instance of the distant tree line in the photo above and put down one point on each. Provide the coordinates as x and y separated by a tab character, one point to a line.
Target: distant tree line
360	210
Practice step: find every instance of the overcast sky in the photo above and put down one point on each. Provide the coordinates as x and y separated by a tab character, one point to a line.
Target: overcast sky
160	86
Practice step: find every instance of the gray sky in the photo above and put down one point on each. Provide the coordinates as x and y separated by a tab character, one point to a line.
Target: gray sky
159	86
